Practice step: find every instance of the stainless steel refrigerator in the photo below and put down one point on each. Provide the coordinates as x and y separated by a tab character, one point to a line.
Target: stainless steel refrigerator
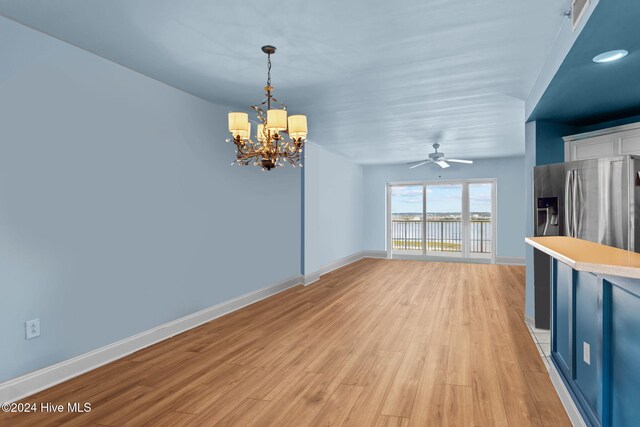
596	200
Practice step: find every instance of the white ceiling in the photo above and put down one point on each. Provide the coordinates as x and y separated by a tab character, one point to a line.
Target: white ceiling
380	80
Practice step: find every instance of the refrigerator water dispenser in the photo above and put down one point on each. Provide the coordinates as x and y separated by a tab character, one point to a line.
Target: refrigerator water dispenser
547	221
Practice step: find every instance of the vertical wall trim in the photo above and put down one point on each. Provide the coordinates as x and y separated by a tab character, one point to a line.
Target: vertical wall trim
494	223
572	325
388	222
302	202
554	289
604	351
424	220
465	226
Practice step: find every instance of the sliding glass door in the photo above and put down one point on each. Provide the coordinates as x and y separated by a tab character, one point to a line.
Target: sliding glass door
444	219
407	209
481	200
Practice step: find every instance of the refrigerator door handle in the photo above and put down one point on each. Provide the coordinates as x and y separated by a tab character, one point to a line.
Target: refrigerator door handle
571	196
568	184
578	205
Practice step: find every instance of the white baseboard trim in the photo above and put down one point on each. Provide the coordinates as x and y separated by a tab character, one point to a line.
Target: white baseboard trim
530	320
315	276
565	397
499	260
26	385
308	279
438	258
339	263
374	254
510	260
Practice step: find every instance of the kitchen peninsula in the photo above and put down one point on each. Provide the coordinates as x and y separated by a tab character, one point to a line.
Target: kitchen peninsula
595	327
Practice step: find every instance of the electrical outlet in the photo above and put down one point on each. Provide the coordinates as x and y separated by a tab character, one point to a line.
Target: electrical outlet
33	328
586	352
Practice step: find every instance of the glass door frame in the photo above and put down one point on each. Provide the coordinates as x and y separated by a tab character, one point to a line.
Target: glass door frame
465	220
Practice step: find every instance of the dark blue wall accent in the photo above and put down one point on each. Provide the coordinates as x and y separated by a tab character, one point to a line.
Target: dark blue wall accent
549	142
549	145
583	92
609	124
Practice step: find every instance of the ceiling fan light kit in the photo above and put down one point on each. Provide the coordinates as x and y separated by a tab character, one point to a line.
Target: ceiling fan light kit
439	159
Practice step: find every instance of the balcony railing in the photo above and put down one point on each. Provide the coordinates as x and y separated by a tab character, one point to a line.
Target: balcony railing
441	235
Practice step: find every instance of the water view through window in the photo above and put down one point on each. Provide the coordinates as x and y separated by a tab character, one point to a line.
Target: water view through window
480	205
432	219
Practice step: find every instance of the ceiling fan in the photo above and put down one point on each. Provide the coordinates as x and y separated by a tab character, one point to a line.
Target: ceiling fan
439	159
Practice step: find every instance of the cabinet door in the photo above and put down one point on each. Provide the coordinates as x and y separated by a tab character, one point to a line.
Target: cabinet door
625	352
630	142
587	338
561	346
596	147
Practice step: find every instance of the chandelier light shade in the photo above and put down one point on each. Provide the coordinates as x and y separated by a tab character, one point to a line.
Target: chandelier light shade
277	119
271	149
238	121
242	133
247	134
298	126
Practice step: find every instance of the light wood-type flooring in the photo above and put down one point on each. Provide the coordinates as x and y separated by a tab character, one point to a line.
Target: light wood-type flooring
376	343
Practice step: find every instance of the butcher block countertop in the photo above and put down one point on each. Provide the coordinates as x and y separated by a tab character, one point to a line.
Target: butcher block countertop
582	255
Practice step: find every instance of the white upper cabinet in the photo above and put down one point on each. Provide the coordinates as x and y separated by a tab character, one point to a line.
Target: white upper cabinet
630	142
603	143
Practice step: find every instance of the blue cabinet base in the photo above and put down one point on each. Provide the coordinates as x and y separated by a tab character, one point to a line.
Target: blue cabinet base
595	344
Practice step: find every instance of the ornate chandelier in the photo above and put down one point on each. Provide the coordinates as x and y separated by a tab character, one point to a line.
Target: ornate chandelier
270	149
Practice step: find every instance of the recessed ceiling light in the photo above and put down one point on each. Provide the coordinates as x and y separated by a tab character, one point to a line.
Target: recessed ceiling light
612	55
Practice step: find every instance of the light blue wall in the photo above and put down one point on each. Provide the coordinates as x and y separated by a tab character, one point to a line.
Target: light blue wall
510	182
333	188
529	164
119	210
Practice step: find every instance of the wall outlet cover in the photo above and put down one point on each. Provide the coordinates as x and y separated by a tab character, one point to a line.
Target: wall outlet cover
586	351
32	328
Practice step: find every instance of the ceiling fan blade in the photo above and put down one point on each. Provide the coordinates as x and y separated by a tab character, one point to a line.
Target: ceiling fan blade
460	161
416	164
442	164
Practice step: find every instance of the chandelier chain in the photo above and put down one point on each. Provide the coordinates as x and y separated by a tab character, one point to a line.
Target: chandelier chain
269	70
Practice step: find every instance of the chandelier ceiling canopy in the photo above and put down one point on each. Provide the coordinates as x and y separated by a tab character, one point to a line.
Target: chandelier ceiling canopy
270	149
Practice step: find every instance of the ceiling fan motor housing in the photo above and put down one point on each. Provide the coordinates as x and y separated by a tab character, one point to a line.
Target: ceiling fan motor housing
436	155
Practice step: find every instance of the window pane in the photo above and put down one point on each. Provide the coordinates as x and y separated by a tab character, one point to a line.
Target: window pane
406	219
444	218
480	215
